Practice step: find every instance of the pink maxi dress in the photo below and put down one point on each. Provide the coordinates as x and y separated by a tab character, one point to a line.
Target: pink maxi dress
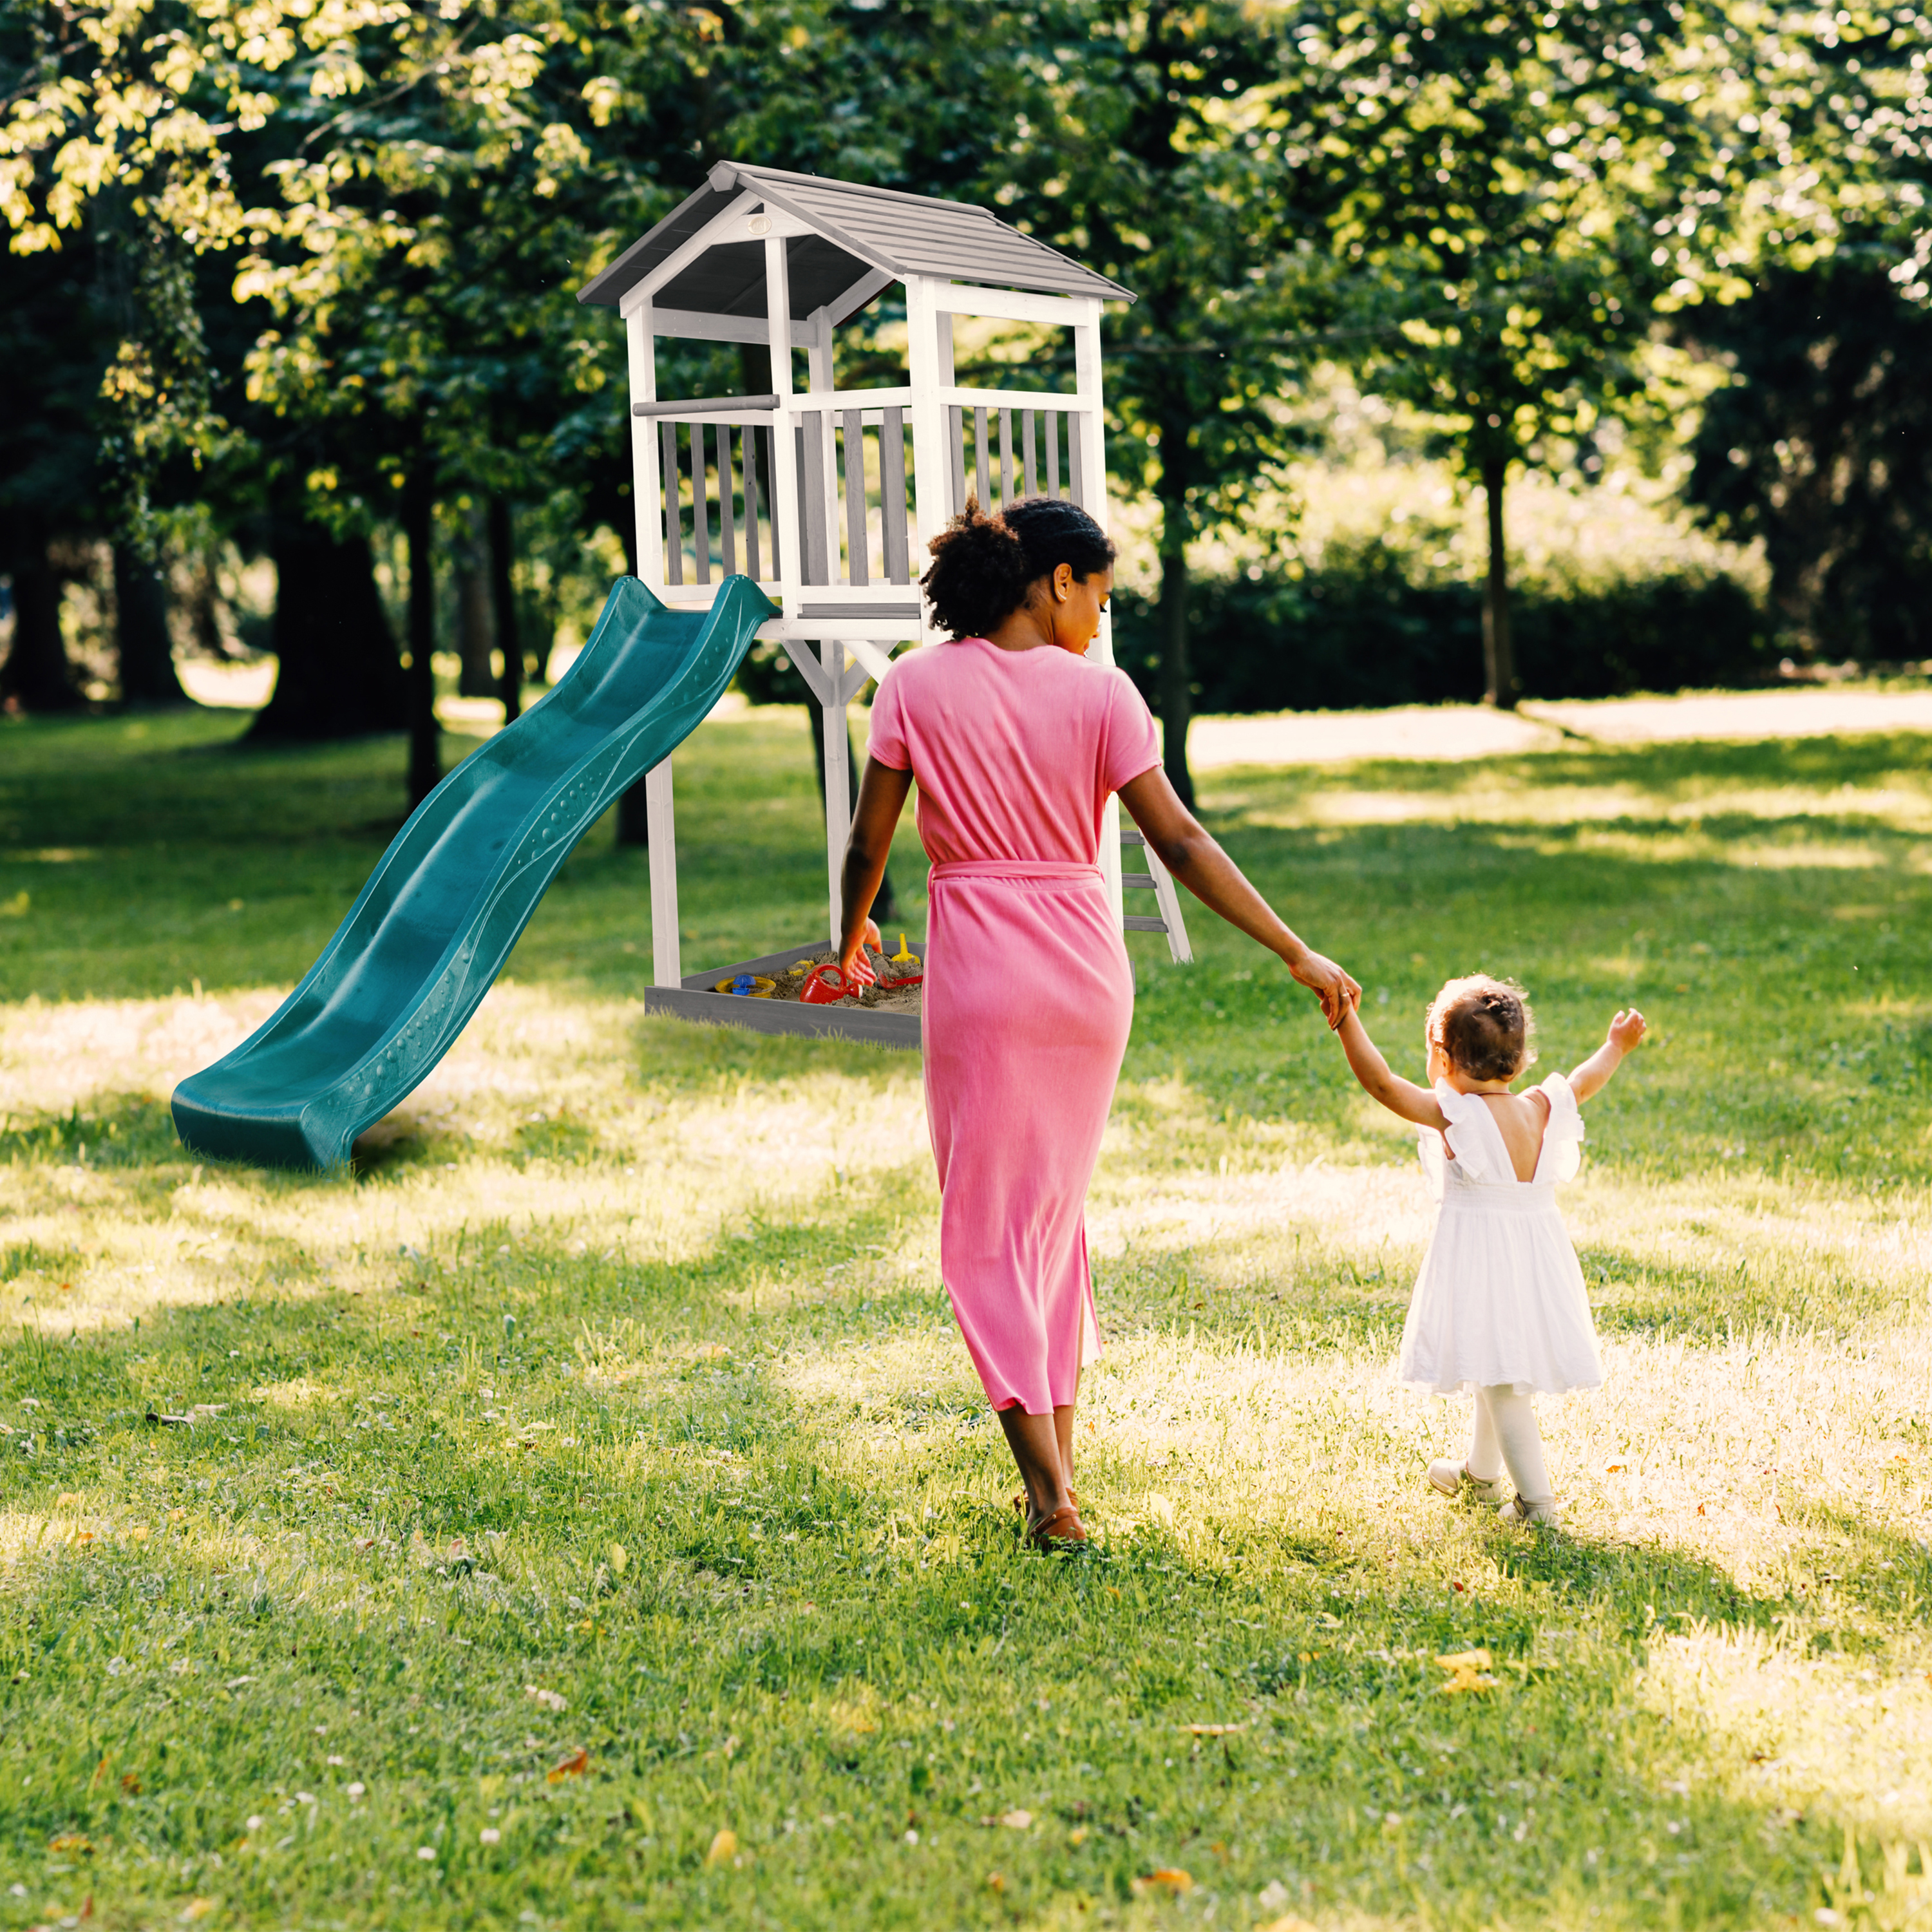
1028	994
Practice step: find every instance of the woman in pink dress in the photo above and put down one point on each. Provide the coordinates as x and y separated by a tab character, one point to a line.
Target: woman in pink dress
1016	741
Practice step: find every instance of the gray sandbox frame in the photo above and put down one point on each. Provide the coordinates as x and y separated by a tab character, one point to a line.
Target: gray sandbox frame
827	496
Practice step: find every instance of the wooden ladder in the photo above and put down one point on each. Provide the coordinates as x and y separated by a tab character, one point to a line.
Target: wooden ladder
1159	880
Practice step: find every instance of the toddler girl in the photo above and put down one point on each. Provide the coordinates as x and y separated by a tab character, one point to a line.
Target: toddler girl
1499	1307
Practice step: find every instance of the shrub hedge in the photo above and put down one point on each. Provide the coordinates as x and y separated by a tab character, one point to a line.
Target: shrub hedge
1361	631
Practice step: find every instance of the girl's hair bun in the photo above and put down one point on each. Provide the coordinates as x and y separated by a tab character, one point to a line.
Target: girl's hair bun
984	568
1484	1027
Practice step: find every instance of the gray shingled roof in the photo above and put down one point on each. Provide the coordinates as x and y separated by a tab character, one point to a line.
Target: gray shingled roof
858	229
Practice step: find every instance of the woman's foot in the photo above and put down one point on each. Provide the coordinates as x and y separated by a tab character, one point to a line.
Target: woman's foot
1020	1499
1063	1529
1453	1479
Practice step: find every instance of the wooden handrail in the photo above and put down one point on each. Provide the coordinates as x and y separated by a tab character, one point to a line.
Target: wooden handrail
702	406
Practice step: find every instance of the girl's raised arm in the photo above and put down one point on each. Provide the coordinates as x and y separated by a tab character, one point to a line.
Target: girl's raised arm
1594	1075
1403	1098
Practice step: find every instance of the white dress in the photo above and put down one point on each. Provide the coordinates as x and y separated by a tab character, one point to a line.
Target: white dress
1500	1297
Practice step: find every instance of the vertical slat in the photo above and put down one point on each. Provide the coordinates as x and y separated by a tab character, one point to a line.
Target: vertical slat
858	565
674	520
979	454
1006	457
1076	462
750	456
893	494
1052	453
728	525
956	441
812	475
701	508
1031	474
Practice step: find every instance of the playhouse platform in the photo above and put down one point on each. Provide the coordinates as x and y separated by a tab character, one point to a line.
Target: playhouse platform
693	999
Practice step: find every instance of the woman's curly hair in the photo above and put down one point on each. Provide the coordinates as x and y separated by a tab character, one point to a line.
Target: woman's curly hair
1484	1027
984	568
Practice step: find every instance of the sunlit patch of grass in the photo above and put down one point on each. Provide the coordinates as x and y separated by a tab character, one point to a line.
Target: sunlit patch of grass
611	1406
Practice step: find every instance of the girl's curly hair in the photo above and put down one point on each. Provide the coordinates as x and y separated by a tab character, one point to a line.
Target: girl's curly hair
1484	1027
984	568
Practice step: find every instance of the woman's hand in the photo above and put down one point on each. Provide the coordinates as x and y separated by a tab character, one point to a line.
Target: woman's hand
1337	991
853	964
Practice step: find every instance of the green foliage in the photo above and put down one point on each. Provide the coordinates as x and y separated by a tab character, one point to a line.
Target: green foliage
1362	630
1820	445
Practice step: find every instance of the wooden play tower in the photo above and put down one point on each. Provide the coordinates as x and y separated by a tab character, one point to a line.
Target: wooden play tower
826	496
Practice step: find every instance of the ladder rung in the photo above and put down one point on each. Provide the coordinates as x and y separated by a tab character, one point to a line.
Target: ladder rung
1133	922
1132	839
1137	882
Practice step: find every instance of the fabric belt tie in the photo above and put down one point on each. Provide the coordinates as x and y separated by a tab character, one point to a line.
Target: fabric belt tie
1016	869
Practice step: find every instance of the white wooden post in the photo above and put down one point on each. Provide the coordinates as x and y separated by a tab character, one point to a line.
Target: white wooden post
647	492
1088	426
837	792
660	826
928	369
784	463
646	479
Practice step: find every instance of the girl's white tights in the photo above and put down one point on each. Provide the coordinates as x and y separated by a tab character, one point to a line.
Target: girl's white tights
1506	1436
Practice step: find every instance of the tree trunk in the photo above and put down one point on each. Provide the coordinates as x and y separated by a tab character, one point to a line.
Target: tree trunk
141	628
36	676
885	901
1499	653
503	597
1176	694
338	674
425	746
475	632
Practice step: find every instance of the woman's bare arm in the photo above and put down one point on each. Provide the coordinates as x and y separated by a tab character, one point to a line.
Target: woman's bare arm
1187	850
1402	1097
882	797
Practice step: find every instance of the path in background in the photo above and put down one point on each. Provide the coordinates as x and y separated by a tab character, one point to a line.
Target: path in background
1472	731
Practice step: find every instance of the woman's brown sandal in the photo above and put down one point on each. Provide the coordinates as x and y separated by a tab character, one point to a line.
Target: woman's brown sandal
1020	1499
1063	1529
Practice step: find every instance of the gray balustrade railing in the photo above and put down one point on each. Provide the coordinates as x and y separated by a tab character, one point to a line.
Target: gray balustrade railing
715	482
1011	453
854	498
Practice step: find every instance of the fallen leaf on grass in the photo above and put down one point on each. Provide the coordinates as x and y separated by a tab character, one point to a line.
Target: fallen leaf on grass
1078	1837
619	1559
131	1784
1468	1670
196	1908
1212	1730
574	1766
1017	1821
551	1700
995	1881
724	1848
70	1841
1169	1878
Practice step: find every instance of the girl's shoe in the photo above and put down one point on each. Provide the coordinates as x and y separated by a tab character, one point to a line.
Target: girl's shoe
1453	1479
1544	1514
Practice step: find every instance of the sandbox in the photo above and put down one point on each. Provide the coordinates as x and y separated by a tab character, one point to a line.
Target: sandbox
886	1015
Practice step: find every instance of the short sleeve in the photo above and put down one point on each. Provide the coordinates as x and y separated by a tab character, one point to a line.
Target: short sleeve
1131	746
1563	1138
885	739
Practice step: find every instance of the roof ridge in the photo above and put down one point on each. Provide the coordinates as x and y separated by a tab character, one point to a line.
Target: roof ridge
756	171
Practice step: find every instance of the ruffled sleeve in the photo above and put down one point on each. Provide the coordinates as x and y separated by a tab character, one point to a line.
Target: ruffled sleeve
1474	1137
1563	1138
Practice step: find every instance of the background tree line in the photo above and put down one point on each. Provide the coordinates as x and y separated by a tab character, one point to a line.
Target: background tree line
298	277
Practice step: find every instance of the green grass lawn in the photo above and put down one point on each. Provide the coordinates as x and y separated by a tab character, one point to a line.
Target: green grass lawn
584	1513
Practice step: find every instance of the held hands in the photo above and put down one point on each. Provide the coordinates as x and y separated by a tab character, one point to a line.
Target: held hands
1337	991
1627	1030
853	964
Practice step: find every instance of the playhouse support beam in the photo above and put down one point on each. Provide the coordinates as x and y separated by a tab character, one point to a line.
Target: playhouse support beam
838	794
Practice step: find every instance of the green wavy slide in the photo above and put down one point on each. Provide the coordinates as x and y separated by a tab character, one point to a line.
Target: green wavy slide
432	928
